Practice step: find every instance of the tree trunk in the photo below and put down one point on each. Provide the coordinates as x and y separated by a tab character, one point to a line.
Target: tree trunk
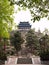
0	39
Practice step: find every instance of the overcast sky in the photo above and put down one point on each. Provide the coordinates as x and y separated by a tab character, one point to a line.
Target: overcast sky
26	16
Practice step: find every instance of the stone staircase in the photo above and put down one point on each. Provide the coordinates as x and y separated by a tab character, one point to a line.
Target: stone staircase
24	61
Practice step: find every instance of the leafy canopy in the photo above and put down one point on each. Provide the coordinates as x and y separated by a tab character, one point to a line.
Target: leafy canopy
16	40
32	40
44	43
6	18
38	8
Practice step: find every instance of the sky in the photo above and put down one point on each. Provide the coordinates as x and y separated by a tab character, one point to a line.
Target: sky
22	16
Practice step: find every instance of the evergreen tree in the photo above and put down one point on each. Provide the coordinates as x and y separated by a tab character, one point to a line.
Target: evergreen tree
32	41
17	40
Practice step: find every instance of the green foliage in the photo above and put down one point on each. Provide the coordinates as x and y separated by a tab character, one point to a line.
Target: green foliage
3	43
6	21
32	40
44	43
17	40
44	56
3	56
6	18
38	8
46	31
44	47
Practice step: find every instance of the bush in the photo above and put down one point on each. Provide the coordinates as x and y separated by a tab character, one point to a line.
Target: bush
44	55
3	56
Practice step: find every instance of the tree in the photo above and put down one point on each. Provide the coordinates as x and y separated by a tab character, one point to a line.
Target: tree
6	18
32	41
38	8
16	40
46	31
44	46
44	43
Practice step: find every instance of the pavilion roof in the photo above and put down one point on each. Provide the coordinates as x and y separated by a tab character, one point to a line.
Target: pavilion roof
24	24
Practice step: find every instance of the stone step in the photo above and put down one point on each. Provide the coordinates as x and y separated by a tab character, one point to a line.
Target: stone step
24	61
25	64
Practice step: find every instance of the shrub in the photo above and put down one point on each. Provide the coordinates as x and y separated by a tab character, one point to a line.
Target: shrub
44	55
3	56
